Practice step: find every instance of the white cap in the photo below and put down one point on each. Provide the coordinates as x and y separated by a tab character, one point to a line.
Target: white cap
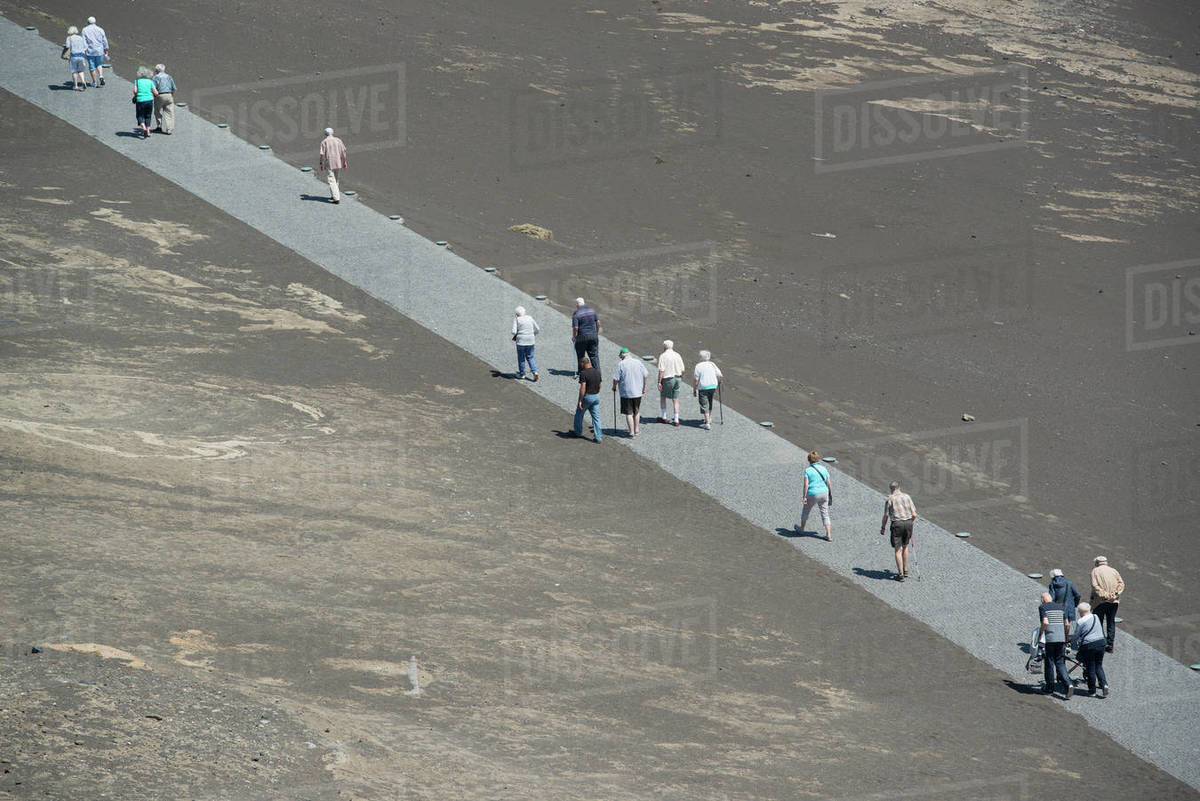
668	343
91	20
578	301
520	311
1055	573
328	130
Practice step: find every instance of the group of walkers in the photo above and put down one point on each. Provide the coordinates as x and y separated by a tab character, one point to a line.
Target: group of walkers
629	379
153	91
1090	626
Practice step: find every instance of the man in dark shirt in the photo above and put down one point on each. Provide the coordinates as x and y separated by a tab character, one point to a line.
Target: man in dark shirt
1054	629
585	332
589	399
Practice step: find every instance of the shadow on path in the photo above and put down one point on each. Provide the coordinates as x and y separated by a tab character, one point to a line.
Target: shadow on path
317	198
1024	689
793	533
889	575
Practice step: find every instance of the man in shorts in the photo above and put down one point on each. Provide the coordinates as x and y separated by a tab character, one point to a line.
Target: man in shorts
97	50
899	508
630	378
670	370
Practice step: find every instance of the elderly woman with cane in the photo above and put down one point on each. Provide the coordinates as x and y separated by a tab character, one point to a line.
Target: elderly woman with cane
706	380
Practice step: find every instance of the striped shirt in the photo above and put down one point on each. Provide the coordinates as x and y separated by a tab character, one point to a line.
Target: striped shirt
1053	614
899	506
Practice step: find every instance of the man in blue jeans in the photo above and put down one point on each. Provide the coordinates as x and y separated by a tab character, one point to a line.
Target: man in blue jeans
1054	630
589	399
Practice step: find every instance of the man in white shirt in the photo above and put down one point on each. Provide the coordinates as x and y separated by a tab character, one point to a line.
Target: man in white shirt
670	370
630	378
97	50
706	378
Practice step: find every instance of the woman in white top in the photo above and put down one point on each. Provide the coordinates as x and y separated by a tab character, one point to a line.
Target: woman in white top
524	332
1089	635
75	49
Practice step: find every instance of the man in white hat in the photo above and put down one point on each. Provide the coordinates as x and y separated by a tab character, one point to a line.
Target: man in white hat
585	332
1107	586
332	161
524	332
670	372
97	50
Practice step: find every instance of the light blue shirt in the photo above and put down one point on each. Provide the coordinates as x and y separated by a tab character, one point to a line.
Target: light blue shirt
630	376
163	82
97	42
817	480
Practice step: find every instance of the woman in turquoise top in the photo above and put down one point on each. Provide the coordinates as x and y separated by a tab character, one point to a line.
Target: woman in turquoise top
816	493
143	100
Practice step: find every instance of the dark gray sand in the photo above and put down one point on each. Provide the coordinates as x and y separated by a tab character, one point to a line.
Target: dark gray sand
240	497
995	282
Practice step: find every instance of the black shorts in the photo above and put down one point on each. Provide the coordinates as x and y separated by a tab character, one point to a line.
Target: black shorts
631	405
901	533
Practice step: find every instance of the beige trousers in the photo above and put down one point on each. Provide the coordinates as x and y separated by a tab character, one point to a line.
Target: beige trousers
164	111
331	177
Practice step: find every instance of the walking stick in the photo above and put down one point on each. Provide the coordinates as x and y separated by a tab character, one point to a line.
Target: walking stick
721	401
615	410
912	553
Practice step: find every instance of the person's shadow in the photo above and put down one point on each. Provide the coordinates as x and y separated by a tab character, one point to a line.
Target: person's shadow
499	374
131	134
317	198
878	575
553	371
1024	689
58	87
793	533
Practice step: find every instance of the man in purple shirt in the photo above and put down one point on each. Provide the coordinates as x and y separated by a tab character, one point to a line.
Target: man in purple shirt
585	332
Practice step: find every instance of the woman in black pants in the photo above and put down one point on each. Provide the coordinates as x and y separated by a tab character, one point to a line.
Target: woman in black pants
1089	635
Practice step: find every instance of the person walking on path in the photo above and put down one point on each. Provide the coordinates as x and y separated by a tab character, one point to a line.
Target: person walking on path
524	332
817	493
1053	631
898	507
670	372
630	378
75	51
585	332
1107	587
164	101
332	161
1064	593
705	380
1089	637
143	100
589	400
97	50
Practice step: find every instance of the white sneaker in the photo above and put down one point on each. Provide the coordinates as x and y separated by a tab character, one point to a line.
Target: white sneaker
705	426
